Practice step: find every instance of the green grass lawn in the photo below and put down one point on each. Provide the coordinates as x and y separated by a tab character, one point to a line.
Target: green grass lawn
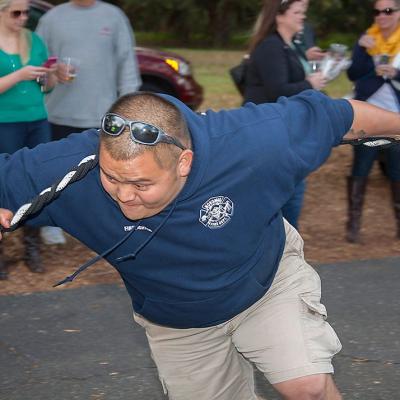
211	70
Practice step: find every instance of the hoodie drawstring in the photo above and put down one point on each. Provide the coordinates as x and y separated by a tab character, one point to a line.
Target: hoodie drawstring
87	264
144	244
133	255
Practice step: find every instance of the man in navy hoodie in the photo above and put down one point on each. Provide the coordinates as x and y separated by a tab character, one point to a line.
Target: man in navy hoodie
186	207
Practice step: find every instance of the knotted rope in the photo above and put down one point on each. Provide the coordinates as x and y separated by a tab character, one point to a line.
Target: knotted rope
373	141
52	192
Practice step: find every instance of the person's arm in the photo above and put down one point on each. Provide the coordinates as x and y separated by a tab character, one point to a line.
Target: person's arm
30	179
271	62
128	78
21	178
44	32
362	64
315	123
370	120
10	80
52	79
27	73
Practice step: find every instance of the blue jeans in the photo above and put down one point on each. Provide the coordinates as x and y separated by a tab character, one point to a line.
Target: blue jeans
292	209
364	158
16	135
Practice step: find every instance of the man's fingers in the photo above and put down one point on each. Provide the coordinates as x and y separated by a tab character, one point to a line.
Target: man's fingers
5	217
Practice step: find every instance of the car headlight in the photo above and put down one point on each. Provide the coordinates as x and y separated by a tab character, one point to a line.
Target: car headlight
179	66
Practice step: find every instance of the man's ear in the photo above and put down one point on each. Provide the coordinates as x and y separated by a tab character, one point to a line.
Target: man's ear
185	162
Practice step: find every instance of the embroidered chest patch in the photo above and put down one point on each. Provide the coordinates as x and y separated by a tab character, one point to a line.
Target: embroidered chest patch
216	212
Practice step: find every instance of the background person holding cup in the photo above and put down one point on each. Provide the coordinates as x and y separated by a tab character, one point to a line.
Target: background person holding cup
94	40
375	71
278	68
95	44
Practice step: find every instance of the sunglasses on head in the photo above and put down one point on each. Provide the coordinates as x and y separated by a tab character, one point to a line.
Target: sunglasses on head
18	13
141	132
386	11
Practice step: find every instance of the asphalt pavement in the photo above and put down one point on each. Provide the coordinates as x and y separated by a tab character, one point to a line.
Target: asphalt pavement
83	344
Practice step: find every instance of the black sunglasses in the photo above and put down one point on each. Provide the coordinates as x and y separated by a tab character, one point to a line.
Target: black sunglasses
141	132
386	11
18	13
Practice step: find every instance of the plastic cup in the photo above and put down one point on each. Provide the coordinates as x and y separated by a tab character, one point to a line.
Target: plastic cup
71	67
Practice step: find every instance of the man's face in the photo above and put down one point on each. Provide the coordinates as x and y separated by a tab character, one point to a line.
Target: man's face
140	186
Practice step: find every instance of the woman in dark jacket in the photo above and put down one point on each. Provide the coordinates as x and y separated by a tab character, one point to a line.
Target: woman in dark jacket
276	68
375	71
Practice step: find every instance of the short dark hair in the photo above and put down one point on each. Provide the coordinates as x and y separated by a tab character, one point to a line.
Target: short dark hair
155	110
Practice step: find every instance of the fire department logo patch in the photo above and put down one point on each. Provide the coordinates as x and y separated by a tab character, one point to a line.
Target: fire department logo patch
216	212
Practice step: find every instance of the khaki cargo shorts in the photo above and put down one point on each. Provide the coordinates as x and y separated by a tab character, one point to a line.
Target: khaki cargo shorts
284	334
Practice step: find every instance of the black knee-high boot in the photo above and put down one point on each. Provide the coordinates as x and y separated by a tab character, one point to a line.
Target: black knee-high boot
356	187
3	267
396	204
32	249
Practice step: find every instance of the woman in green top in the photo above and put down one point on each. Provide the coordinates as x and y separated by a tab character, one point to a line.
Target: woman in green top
23	116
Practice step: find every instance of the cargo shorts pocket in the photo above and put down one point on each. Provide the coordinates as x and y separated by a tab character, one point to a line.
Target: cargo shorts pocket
321	340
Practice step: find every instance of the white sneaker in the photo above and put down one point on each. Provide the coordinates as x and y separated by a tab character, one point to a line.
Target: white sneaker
52	235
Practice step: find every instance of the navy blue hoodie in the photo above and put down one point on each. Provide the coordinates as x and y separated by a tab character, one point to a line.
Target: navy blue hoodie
220	246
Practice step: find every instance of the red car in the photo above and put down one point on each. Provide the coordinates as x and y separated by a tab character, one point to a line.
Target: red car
166	72
161	72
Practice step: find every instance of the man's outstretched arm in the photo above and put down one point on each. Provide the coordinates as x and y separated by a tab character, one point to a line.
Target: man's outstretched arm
370	120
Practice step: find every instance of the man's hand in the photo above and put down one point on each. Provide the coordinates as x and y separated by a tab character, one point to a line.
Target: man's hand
5	219
66	72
